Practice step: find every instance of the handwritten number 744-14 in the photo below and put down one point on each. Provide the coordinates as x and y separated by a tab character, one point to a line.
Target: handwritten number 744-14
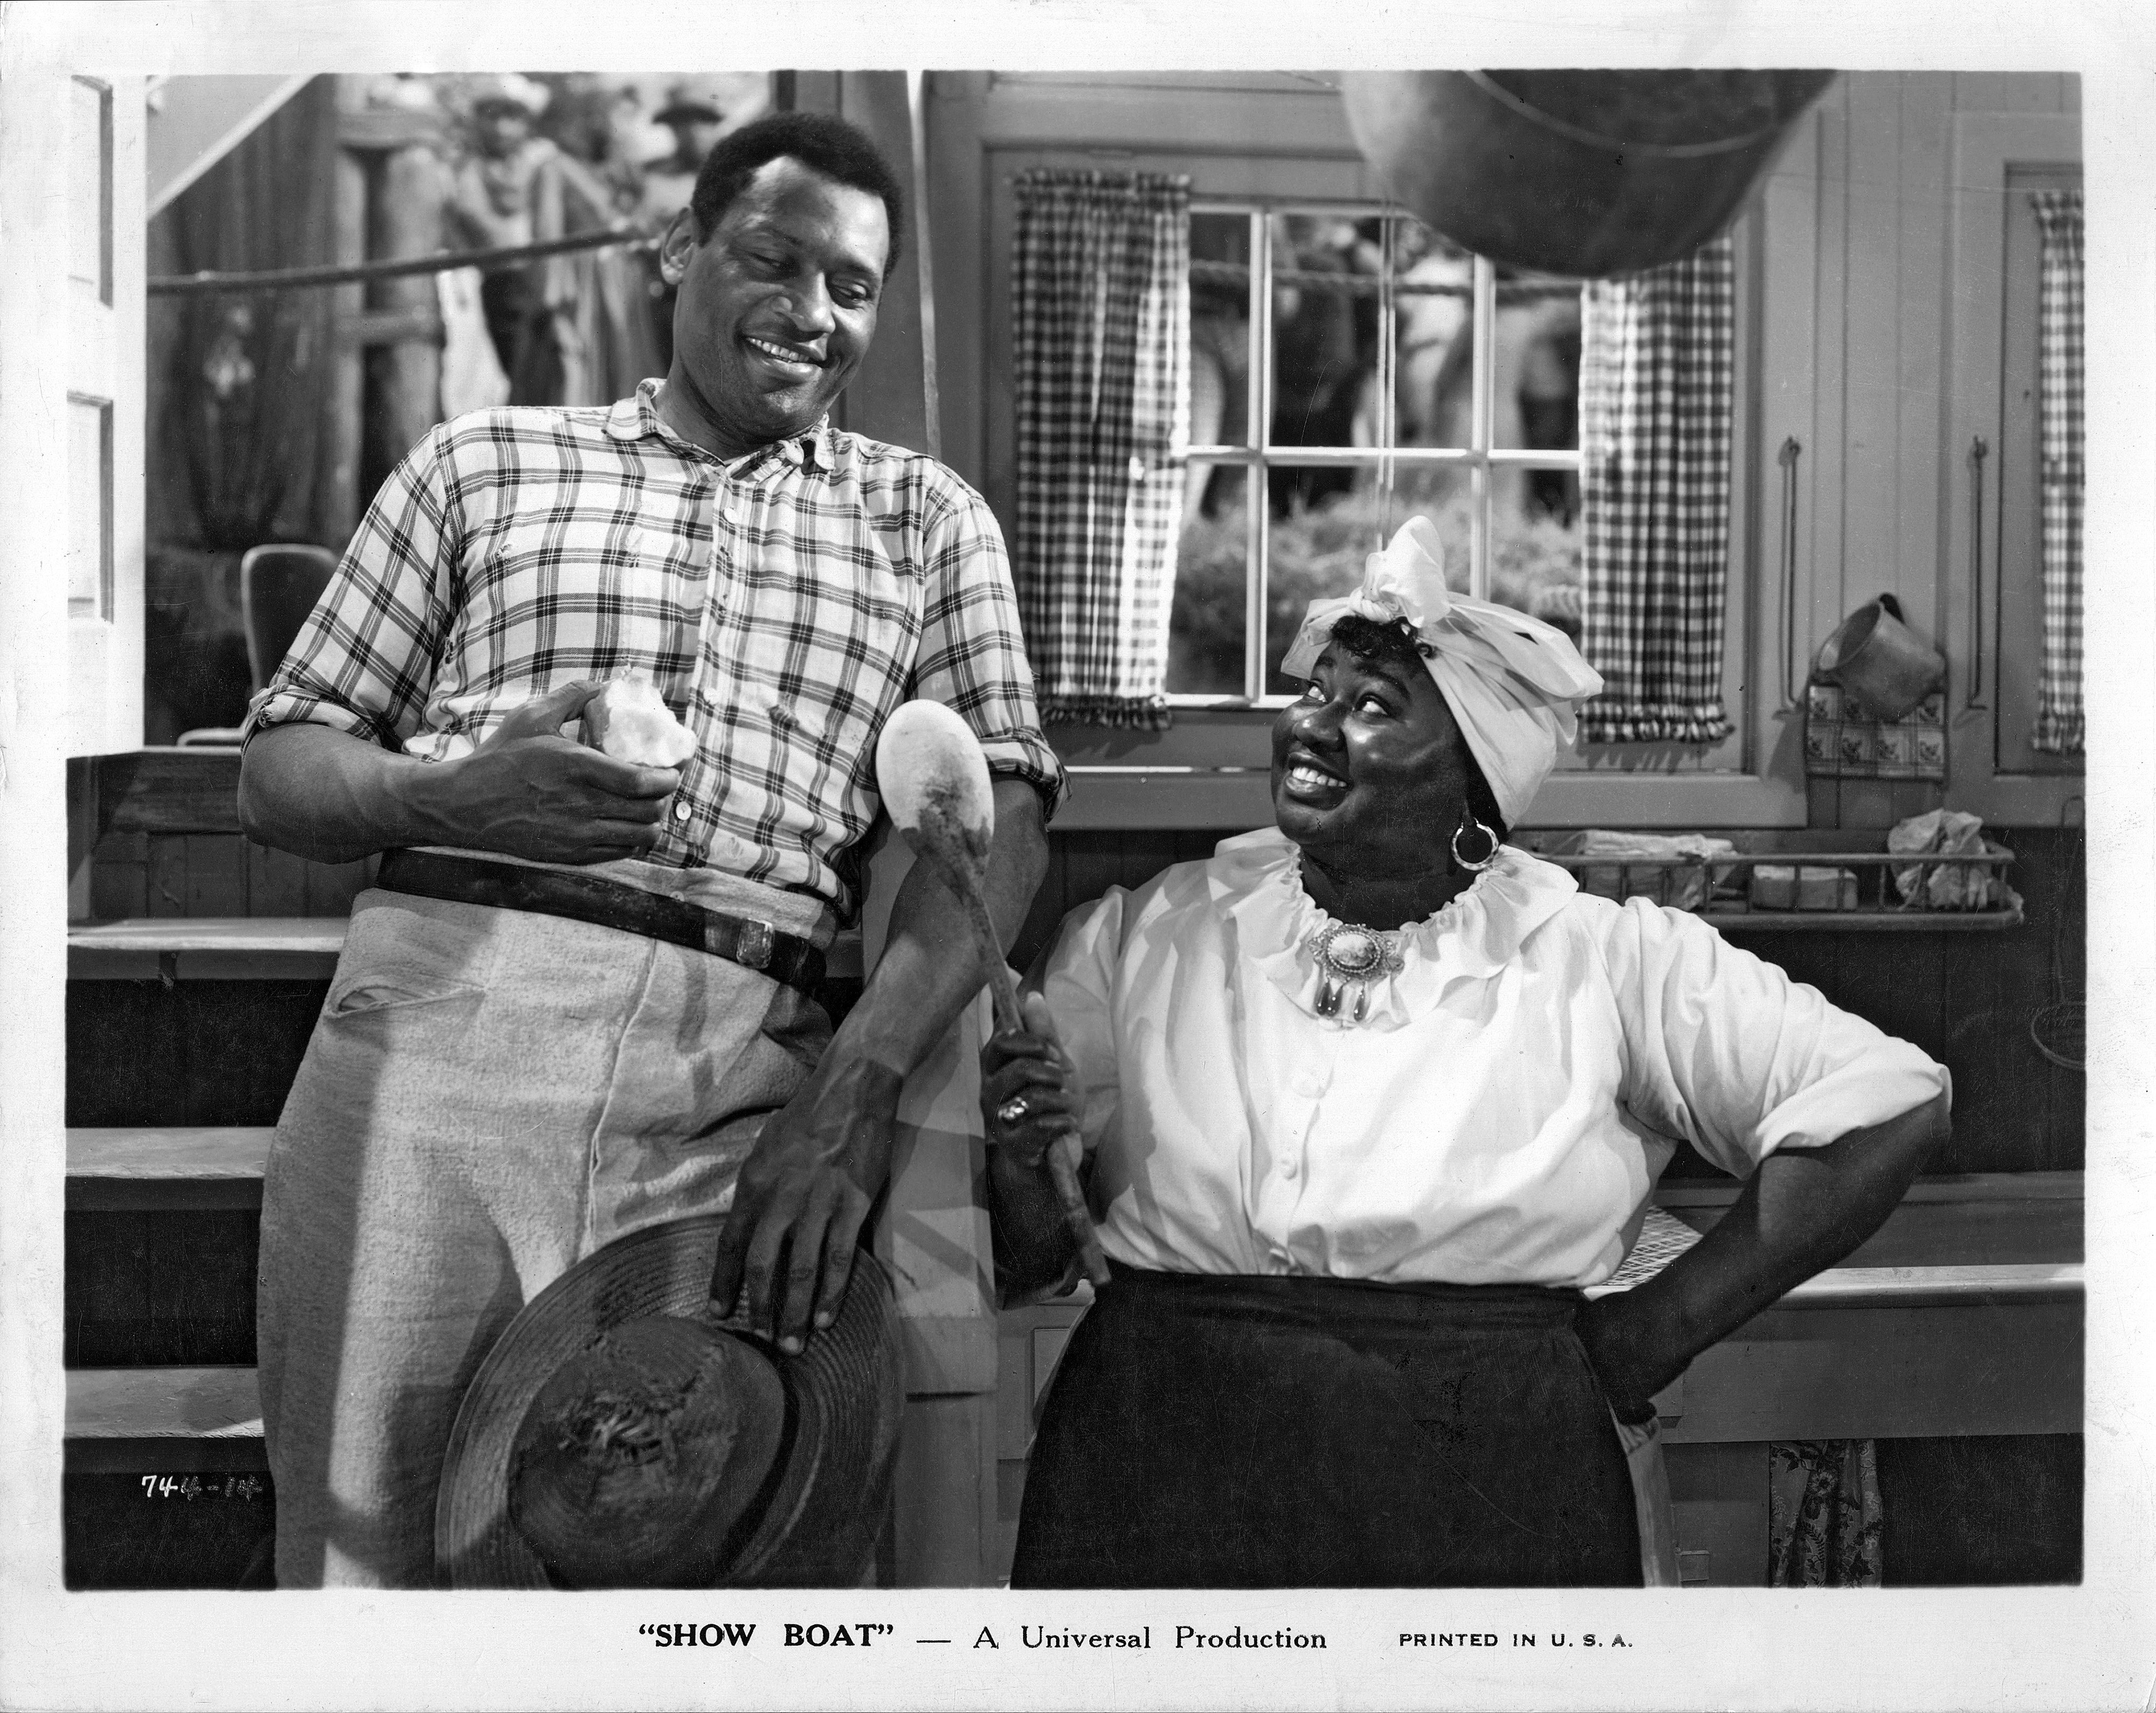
195	1487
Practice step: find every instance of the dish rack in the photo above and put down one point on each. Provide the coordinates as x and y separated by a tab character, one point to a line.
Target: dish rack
1786	887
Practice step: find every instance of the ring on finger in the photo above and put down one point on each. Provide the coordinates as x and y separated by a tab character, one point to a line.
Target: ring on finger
1014	1110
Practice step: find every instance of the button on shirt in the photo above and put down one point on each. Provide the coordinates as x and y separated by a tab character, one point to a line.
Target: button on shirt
1499	1117
784	602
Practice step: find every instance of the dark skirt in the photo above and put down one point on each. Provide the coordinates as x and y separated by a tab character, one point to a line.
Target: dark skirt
1318	1433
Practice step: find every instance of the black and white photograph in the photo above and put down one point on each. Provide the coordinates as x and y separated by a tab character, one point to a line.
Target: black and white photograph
991	874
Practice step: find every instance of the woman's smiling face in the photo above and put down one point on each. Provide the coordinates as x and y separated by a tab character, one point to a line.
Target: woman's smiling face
1369	769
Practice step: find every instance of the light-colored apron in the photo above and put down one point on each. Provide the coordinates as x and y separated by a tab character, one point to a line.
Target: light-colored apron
1650	1499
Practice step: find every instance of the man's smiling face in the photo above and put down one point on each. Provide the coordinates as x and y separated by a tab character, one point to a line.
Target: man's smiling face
777	309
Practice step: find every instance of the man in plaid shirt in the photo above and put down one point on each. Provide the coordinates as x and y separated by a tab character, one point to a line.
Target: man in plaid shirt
577	1002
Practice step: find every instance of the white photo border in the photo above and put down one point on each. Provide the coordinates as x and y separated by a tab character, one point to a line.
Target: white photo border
2093	1646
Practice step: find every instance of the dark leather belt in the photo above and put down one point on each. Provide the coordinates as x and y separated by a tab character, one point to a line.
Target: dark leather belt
605	903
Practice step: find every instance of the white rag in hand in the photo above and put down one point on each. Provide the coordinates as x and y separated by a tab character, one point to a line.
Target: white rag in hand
629	720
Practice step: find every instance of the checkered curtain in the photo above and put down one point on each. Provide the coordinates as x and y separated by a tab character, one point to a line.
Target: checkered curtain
1100	269
2059	377
1657	382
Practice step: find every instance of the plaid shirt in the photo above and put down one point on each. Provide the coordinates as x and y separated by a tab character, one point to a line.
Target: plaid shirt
785	603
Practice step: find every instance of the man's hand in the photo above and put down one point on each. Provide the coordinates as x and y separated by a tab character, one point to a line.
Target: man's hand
529	792
802	1198
820	1164
526	790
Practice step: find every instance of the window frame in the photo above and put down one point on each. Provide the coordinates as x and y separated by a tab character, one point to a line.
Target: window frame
99	351
1259	455
1210	770
1990	150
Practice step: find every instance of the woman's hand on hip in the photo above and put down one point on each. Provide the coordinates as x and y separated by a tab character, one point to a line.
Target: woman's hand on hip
1802	1211
1632	1354
1029	1095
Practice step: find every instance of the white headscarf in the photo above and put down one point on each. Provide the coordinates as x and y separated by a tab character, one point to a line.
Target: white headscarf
1511	680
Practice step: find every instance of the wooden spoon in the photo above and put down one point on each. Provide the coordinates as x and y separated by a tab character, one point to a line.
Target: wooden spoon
935	784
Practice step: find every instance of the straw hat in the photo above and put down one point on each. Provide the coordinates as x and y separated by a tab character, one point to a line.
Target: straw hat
697	98
619	1436
507	88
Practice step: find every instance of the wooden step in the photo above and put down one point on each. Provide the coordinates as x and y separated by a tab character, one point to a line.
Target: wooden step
258	948
205	949
126	1421
165	1169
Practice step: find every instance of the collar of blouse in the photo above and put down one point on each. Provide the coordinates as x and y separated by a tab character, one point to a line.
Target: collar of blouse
1256	881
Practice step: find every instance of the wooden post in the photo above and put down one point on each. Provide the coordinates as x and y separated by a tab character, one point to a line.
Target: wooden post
933	1236
888	397
813	91
336	488
406	220
36	300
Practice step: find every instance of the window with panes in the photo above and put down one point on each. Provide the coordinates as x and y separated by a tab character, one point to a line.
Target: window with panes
1349	368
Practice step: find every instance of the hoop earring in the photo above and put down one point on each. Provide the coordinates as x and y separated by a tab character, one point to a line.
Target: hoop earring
1490	835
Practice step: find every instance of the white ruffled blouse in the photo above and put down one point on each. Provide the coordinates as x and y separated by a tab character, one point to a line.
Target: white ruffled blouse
1499	1116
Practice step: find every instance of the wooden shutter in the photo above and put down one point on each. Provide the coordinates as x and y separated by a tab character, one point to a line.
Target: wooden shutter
103	418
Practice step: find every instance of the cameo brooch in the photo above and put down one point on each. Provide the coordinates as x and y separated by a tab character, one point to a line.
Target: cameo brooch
1351	957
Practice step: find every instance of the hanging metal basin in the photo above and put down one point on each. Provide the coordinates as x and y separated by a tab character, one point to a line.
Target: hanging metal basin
1584	173
1879	660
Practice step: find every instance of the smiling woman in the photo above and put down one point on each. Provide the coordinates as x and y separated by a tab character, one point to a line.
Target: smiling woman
1371	774
1363	1124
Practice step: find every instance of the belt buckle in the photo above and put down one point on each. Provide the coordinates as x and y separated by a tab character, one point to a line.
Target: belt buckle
753	945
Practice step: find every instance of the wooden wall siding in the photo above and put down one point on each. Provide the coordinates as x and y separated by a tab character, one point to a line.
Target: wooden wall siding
215	875
197	1053
1081	866
1965	999
1874	453
113	1539
1876	477
1880	138
152	1288
2017	92
1975	1512
155	833
1868	803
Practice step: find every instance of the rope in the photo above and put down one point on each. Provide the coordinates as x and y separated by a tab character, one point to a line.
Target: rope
1366	285
350	273
300	279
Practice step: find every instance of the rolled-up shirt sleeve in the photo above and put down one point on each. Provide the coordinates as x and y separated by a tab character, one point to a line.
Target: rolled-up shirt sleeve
364	661
1727	1052
972	655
